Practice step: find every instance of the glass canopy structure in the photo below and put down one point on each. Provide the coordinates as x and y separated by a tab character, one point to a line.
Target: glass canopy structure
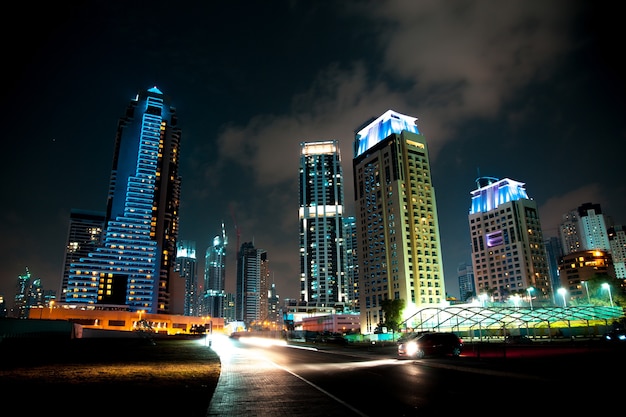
471	321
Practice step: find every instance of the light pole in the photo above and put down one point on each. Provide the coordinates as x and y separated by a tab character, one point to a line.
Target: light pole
608	287
530	296
562	292
587	291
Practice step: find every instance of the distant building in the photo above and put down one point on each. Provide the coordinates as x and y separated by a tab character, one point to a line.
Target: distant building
617	240
83	236
508	254
584	229
248	291
134	265
352	263
215	276
399	245
577	267
187	268
465	275
322	251
273	302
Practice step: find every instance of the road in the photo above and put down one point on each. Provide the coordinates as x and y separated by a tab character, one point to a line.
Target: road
262	379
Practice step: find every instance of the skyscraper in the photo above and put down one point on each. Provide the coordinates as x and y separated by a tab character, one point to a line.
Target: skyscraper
352	263
134	265
584	229
187	268
215	276
508	253
399	247
248	286
83	236
465	275
322	251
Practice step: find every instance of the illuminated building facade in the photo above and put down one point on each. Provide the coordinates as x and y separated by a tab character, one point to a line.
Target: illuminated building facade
215	276
352	262
584	229
508	253
134	265
617	239
83	236
399	246
583	266
322	252
187	268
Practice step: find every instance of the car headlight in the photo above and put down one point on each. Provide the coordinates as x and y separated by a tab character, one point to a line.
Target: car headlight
411	348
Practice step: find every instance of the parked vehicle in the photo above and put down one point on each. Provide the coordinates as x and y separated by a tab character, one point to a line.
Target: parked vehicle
617	335
419	345
518	340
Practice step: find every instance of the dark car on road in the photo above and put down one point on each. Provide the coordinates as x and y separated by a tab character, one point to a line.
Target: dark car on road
419	345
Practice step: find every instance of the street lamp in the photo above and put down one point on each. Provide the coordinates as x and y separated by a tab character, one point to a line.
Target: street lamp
562	292
530	296
587	291
608	287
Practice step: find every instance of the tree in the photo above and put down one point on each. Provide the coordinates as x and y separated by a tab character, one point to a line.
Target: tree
392	311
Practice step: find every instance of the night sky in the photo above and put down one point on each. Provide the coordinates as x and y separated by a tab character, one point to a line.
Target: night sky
529	90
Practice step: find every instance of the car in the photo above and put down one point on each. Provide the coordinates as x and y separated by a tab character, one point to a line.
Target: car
518	340
617	335
419	345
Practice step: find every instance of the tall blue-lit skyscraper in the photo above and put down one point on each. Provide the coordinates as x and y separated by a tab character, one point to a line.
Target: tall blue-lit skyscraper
322	251
134	265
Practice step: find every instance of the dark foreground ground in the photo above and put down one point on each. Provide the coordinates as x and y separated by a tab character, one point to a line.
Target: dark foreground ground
115	377
177	376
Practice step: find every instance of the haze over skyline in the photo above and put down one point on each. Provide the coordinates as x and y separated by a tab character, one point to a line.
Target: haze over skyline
527	90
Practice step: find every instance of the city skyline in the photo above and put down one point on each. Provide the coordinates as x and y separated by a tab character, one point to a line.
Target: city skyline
524	90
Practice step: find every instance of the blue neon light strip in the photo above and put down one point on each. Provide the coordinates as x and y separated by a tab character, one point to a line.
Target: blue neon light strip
490	197
390	122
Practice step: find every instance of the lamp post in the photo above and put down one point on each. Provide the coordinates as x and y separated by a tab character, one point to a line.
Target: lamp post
530	296
608	287
587	291
562	292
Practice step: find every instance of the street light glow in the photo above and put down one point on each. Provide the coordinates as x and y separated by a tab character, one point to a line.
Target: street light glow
608	287
562	291
530	296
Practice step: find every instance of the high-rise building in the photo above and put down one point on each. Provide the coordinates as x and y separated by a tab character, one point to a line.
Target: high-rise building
187	268
465	274
273	303
264	288
508	253
617	239
83	236
584	228
322	252
352	263
399	246
248	286
554	253
215	276
134	265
